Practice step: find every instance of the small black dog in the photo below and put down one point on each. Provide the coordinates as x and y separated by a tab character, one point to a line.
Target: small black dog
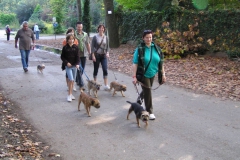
140	113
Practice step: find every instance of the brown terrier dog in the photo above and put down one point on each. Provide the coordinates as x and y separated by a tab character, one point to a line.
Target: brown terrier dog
40	68
139	112
118	87
94	86
88	101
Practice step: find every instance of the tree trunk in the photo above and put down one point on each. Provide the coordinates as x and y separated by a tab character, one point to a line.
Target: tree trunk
111	24
79	9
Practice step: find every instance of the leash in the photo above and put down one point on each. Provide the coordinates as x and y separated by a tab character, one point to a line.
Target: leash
84	72
87	76
138	93
114	75
147	86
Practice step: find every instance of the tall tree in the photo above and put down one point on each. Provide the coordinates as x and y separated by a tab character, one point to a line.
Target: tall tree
111	24
79	10
57	7
86	16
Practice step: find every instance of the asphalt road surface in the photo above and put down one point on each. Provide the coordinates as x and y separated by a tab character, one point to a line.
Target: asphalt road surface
188	126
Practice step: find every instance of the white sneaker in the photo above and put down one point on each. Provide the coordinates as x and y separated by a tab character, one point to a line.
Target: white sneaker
152	117
73	98
106	88
69	98
74	88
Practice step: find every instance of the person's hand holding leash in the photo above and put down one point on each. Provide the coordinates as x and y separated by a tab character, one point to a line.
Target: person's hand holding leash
134	80
93	57
69	65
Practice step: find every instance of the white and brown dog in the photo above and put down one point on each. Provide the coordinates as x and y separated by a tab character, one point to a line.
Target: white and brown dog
40	68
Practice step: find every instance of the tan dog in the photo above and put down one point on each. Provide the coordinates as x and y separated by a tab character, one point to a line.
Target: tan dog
40	68
140	113
94	86
118	87
88	101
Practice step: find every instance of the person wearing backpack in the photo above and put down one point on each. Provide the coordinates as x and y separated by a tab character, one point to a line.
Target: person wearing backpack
149	59
8	31
84	48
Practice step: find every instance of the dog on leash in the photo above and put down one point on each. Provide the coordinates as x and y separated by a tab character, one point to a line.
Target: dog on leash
117	87
40	68
94	86
140	113
88	101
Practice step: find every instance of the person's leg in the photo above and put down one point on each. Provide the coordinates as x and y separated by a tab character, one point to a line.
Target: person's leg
27	56
37	35
105	72
69	72
147	94
23	58
8	36
83	62
95	69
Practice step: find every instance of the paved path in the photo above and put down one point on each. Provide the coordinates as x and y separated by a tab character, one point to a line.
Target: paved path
188	126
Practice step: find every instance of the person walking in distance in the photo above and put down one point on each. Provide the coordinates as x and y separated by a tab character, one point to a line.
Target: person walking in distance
148	56
36	31
25	36
8	31
100	54
84	47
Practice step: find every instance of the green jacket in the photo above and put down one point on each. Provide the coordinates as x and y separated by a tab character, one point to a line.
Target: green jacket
141	48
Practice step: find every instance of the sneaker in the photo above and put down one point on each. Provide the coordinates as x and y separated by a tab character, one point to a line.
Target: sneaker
74	88
73	98
25	69
106	88
69	98
152	117
139	100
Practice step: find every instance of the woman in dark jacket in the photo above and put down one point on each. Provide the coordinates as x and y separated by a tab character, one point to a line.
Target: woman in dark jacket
71	59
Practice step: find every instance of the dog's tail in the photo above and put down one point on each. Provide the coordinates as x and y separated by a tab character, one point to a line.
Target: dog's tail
129	102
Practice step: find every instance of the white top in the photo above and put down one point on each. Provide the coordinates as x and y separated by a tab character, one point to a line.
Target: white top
36	28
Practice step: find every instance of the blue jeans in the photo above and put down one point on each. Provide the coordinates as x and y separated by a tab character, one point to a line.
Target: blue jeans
24	57
71	73
37	34
103	60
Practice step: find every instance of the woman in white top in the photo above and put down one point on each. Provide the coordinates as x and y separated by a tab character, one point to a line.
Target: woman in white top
100	49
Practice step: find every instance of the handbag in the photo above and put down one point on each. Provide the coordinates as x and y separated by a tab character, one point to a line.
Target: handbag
140	74
90	56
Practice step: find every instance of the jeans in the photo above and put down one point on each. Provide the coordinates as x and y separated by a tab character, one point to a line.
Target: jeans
24	57
37	34
71	72
79	79
103	60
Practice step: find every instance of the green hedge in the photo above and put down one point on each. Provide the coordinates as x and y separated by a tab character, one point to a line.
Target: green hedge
222	27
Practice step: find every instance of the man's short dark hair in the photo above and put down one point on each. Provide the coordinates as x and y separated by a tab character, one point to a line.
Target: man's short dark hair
79	22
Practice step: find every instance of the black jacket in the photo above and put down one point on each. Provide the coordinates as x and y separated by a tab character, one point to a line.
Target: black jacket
70	55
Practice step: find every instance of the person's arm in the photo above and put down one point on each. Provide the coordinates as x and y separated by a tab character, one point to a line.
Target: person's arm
93	48
163	75
134	70
135	66
16	40
107	47
88	45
